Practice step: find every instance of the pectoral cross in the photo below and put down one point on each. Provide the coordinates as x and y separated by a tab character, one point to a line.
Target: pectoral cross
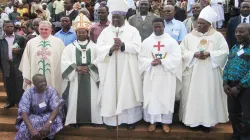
159	46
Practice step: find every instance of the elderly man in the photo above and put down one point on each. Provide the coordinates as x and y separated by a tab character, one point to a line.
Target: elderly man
67	33
120	93
191	22
143	21
234	22
34	26
175	28
42	55
203	102
97	28
236	79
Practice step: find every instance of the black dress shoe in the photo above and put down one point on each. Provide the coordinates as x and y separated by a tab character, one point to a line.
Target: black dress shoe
110	127
206	129
198	128
9	105
95	125
131	126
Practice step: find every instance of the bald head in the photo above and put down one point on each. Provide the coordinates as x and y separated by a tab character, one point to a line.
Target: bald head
168	12
196	9
242	33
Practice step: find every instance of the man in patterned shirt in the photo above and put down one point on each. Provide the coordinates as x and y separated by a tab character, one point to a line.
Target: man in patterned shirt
237	83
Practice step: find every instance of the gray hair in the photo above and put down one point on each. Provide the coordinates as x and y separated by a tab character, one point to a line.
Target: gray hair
43	22
36	20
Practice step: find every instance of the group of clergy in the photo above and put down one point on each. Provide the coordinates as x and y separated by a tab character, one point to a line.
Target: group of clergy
120	79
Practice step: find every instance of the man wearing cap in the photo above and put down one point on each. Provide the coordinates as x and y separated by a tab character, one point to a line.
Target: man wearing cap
120	94
204	51
81	75
143	21
42	55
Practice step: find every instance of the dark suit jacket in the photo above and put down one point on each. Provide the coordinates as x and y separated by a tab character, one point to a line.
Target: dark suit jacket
72	15
231	27
234	11
180	14
4	62
144	27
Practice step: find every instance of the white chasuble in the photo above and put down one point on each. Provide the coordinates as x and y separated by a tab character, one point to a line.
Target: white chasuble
127	101
203	101
43	56
69	62
161	82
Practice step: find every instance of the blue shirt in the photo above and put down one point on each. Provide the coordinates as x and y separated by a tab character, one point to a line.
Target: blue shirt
237	67
176	29
68	37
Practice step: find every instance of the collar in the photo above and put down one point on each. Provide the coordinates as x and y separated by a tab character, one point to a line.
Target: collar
69	12
121	29
148	15
106	24
242	17
71	30
13	35
199	34
172	21
34	33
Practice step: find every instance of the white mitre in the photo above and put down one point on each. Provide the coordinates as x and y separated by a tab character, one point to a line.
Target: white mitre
117	7
208	14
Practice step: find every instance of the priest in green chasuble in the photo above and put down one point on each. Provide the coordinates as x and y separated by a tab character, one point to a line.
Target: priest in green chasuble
160	67
80	77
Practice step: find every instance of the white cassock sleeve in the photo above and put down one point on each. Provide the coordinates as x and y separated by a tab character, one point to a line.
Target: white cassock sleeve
173	59
219	55
133	46
67	64
188	59
25	65
102	47
145	58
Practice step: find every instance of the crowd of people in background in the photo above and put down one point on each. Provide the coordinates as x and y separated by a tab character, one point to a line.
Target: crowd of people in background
115	62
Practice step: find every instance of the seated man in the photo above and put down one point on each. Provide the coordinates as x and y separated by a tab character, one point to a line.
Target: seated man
39	113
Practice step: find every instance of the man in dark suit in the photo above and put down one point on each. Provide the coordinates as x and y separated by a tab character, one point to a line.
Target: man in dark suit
180	14
69	11
11	50
235	7
234	22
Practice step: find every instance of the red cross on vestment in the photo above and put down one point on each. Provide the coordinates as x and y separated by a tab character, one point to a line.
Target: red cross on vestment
159	45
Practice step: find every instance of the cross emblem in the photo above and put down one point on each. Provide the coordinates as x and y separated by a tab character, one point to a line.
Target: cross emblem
158	46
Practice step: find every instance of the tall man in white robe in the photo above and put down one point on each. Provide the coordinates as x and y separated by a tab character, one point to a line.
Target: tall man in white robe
42	55
203	101
120	87
160	66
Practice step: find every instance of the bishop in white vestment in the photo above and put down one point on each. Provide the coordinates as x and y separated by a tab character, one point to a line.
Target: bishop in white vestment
120	91
80	77
160	81
42	55
203	101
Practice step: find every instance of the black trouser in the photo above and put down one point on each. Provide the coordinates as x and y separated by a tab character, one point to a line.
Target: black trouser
13	86
239	114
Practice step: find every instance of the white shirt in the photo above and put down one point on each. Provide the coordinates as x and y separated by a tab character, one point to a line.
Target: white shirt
9	10
236	3
242	19
69	12
4	16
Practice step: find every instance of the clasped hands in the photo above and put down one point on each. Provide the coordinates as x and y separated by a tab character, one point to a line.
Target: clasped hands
156	62
117	45
234	91
202	55
42	133
82	69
